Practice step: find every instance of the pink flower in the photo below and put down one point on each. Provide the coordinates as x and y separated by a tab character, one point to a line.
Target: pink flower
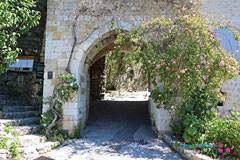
183	29
133	25
157	66
167	68
188	22
214	90
110	52
182	71
115	42
213	145
184	9
190	31
221	64
169	31
206	19
159	95
149	61
234	69
186	16
197	37
237	51
220	150
227	150
198	66
220	144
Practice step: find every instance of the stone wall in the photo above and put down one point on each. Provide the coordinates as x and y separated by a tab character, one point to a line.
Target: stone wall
32	45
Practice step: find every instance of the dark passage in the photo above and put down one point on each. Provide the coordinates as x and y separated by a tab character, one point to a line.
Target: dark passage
119	121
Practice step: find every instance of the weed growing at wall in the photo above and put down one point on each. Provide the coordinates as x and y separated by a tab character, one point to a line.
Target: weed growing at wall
9	142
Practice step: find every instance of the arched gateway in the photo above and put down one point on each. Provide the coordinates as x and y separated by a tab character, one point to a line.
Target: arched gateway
81	27
89	37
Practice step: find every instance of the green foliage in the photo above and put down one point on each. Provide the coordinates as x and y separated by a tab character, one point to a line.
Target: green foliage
47	118
10	144
3	142
122	66
16	18
8	128
14	149
56	133
225	131
77	131
65	89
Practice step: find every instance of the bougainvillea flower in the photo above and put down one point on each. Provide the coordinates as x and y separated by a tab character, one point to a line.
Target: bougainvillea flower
220	150
227	150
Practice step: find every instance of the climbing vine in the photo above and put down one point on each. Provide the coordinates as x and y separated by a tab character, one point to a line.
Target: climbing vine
62	93
182	53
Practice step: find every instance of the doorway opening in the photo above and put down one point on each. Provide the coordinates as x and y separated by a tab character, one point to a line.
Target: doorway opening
118	110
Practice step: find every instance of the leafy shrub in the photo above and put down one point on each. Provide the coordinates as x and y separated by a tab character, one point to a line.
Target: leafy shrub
224	133
10	143
57	134
195	111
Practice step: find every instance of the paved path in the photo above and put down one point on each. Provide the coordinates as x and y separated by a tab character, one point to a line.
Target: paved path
116	131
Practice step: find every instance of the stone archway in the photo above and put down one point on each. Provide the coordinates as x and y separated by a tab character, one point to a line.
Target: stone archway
91	53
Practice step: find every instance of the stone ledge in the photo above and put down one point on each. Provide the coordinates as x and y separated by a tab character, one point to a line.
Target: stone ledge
184	152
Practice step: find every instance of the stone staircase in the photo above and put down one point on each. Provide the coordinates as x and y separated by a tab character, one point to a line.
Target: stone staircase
25	120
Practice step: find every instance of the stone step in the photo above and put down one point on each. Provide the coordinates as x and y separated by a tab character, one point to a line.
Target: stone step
31	139
3	88
20	121
34	151
25	114
19	108
3	92
29	129
9	97
13	102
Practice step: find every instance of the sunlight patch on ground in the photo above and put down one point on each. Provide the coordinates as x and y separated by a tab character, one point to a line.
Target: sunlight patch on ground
126	96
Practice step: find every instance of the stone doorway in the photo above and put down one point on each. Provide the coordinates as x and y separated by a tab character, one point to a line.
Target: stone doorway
118	116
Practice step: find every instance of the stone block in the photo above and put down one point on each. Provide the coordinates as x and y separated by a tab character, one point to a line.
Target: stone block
51	28
57	35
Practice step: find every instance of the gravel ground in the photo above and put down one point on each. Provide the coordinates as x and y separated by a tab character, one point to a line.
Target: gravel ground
116	130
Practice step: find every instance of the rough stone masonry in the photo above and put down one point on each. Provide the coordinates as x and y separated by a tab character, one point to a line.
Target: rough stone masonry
69	29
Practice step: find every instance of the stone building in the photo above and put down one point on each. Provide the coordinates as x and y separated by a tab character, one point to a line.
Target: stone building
76	29
90	29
